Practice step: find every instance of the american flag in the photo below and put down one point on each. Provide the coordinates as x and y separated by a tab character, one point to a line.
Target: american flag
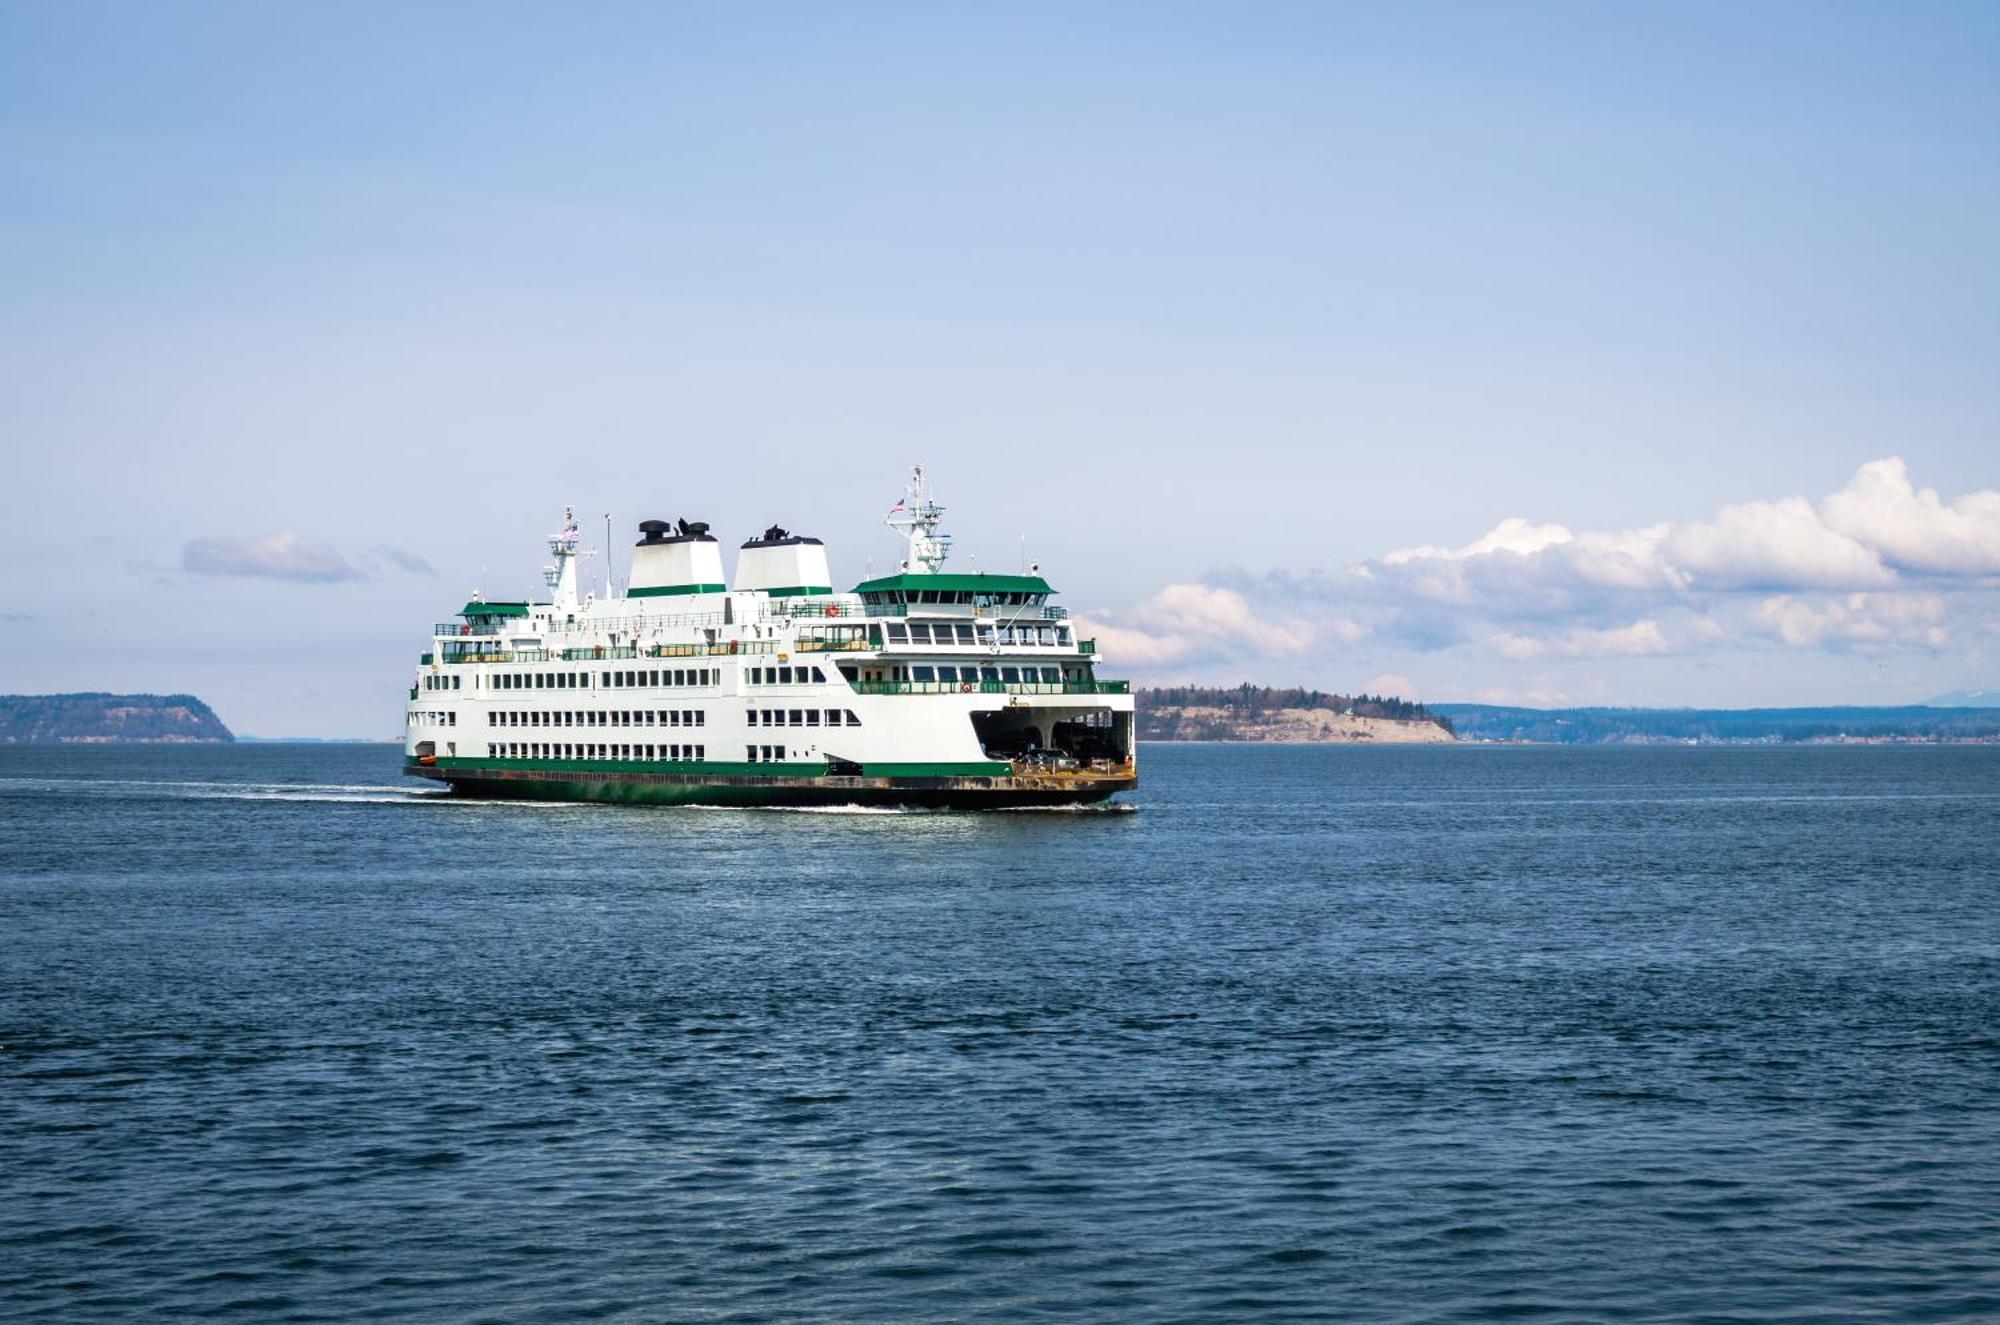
897	507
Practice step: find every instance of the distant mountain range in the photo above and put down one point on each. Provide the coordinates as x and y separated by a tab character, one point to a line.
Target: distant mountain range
1613	726
1966	699
100	719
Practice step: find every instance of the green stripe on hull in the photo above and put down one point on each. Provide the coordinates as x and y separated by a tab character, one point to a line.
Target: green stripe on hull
767	785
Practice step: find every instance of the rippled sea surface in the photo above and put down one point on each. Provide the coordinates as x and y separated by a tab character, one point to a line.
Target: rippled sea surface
1314	1034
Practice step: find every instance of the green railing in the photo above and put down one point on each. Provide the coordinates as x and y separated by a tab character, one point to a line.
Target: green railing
1086	647
992	687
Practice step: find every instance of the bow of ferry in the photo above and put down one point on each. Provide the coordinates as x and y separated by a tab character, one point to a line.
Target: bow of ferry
925	687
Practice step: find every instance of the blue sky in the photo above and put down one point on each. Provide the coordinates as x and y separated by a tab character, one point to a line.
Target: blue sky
1255	322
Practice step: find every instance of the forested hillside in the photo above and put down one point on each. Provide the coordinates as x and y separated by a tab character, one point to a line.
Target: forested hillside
100	719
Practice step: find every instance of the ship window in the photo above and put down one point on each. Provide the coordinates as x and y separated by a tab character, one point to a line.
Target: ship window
964	632
852	721
812	717
898	634
797	719
1050	676
753	753
989	674
819	677
920	634
833	717
1012	674
947	674
922	673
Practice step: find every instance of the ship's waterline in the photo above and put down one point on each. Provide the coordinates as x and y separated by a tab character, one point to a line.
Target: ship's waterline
924	687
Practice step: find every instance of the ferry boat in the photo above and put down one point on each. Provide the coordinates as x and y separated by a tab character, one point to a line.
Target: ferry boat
926	687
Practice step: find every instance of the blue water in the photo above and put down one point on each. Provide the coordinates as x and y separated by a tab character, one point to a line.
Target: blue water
1315	1034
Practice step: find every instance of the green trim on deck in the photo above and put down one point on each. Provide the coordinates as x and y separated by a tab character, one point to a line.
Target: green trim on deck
674	590
975	582
493	609
800	591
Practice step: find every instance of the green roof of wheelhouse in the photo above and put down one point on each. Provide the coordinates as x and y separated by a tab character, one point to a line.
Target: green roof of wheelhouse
494	609
975	582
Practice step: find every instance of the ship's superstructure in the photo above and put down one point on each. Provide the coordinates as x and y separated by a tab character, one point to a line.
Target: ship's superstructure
925	686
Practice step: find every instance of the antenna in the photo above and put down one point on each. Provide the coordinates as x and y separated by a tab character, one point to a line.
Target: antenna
607	556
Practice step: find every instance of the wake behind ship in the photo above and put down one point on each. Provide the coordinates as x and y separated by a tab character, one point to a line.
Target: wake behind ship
923	687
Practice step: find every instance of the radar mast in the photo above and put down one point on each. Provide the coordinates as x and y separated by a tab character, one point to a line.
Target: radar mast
916	518
561	577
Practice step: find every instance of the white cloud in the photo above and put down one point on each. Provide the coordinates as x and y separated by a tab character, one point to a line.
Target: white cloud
1878	565
1195	622
287	556
1771	545
1392	683
283	556
1858	620
1916	530
1636	640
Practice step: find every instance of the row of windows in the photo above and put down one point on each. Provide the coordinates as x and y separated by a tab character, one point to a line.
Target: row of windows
539	680
564	750
801	718
983	597
599	718
433	718
1011	675
436	682
664	676
966	634
785	676
769	753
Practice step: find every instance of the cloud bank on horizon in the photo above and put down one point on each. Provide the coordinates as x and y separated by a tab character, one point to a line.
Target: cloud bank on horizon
1879	567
